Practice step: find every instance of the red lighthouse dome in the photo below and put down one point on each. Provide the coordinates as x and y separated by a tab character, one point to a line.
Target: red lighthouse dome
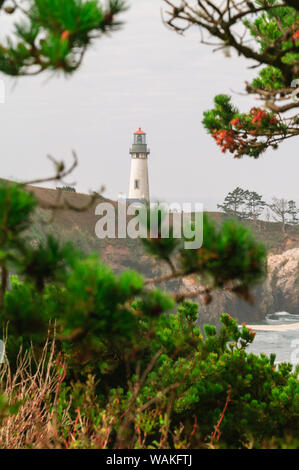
140	131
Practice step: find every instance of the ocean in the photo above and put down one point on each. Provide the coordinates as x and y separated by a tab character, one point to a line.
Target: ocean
279	334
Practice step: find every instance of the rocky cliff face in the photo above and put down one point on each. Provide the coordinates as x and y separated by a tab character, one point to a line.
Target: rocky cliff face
283	281
280	292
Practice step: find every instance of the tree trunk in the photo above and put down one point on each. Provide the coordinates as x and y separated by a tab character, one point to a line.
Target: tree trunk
4	279
283	226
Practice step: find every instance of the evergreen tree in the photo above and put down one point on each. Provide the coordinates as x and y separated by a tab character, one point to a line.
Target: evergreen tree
254	205
265	32
110	327
66	188
54	35
234	202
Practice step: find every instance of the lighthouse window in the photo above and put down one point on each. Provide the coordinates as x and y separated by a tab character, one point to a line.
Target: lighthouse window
137	155
136	184
139	138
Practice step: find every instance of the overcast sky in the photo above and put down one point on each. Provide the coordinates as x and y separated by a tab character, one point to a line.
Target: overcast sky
144	75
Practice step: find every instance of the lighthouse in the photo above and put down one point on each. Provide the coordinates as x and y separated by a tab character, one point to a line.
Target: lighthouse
139	188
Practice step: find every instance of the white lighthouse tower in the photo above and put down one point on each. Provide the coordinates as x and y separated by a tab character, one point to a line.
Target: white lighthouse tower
139	188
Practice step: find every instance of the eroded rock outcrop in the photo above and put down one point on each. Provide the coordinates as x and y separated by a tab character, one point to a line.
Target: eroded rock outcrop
283	280
280	292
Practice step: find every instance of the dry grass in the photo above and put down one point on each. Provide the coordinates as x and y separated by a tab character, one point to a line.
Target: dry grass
47	419
35	384
42	421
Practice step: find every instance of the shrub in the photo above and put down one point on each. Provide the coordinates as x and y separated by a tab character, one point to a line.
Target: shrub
130	368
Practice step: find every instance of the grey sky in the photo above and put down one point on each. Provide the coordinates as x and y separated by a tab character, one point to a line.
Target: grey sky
143	75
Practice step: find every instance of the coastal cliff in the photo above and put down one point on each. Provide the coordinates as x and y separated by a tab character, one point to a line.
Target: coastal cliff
279	292
283	281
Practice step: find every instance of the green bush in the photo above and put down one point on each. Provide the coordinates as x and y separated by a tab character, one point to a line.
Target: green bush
133	354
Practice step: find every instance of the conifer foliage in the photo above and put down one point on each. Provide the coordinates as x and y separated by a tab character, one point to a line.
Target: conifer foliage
249	205
243	204
54	34
129	358
266	32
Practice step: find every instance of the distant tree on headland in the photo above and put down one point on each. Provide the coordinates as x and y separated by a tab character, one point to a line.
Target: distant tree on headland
233	203
66	188
243	204
284	211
